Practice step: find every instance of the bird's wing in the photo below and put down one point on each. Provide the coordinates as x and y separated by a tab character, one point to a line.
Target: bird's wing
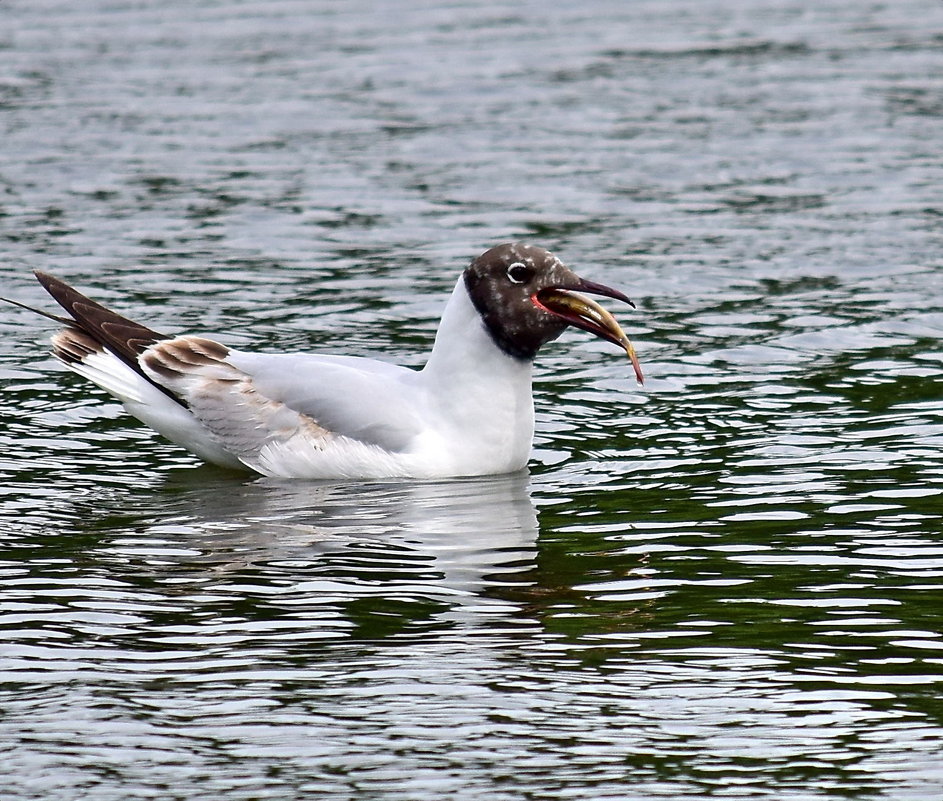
364	399
261	407
277	414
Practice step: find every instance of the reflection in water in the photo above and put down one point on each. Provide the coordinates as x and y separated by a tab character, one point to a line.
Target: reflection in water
444	541
456	533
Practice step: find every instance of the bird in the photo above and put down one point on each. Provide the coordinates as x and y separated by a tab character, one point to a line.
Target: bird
468	412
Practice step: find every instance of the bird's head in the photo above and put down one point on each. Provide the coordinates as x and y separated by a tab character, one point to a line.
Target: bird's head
527	297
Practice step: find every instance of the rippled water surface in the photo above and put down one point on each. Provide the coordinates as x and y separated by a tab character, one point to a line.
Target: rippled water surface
725	584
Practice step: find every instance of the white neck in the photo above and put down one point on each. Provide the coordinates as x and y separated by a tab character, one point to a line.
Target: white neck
464	350
478	389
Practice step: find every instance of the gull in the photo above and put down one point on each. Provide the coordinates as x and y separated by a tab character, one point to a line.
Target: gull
468	412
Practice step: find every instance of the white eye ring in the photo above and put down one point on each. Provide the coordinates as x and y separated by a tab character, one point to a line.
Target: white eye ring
517	267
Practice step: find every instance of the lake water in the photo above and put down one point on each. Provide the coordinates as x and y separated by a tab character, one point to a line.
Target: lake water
728	583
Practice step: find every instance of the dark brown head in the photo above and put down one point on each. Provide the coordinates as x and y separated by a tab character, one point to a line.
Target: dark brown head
525	296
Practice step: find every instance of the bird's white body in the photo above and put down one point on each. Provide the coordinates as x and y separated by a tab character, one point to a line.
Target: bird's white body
469	411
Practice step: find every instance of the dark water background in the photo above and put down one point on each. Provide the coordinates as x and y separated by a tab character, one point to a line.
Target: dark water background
728	584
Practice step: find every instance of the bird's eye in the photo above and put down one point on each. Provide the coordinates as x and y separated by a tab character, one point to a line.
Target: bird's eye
520	273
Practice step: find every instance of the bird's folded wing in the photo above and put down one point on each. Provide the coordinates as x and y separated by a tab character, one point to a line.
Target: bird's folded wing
375	402
256	405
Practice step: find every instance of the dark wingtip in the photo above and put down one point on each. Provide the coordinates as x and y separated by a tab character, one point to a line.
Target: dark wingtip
45	278
56	287
96	327
125	338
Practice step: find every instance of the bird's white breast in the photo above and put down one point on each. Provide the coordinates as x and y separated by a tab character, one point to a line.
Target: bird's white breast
478	403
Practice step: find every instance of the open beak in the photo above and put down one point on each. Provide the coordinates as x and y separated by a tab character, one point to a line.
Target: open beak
584	313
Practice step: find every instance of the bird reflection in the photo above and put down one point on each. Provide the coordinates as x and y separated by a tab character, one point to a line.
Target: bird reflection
444	539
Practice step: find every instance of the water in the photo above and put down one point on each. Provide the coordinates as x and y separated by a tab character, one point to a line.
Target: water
725	584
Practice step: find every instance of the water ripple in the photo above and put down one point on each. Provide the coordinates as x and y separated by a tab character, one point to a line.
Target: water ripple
722	583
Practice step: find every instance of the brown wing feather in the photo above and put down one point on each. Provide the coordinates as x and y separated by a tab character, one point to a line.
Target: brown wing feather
93	324
123	337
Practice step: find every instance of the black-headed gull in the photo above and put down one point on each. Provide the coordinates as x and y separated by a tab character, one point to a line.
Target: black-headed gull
469	411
